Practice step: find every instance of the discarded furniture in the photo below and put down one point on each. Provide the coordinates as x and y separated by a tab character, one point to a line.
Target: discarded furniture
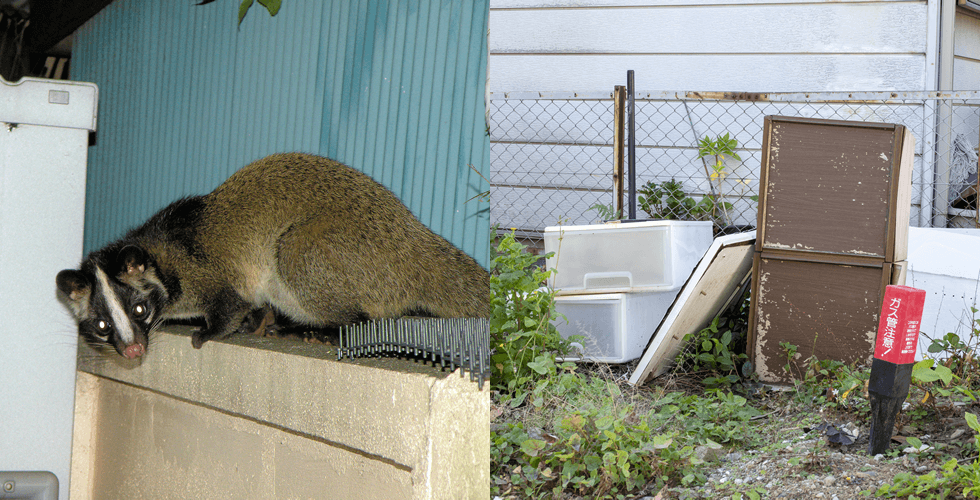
711	288
832	234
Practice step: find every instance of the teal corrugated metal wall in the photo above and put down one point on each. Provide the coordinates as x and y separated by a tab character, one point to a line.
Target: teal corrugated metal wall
391	87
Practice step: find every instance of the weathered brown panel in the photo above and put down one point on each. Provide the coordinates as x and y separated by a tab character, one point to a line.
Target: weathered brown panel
828	310
834	187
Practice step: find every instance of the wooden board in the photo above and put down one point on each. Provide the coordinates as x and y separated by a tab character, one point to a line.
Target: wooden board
826	309
709	289
835	187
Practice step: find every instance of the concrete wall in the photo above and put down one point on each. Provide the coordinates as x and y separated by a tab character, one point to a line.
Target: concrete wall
258	418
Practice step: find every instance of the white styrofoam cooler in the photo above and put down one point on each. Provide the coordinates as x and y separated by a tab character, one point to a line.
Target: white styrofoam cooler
625	257
617	326
44	129
946	264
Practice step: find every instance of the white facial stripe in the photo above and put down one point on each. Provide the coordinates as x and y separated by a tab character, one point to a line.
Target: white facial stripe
119	318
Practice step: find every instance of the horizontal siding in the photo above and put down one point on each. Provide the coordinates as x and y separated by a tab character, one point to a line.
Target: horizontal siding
392	88
966	73
966	50
888	28
648	4
745	73
732	46
966	35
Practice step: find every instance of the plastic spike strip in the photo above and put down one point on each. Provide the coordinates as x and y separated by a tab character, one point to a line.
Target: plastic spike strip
452	342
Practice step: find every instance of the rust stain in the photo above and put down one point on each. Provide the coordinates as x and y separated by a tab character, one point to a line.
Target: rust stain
728	96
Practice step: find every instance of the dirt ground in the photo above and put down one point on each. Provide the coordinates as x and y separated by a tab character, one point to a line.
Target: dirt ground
810	466
798	458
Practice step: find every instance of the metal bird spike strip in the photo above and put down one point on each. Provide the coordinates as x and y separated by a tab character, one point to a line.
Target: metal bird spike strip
452	342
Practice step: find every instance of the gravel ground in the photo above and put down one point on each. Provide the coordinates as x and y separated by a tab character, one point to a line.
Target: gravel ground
806	468
806	465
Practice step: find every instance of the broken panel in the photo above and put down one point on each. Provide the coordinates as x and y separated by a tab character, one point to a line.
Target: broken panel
834	207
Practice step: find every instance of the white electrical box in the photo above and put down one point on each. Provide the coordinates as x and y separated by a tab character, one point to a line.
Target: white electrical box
44	135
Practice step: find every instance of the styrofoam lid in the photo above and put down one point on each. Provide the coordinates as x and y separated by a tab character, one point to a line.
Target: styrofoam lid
944	252
613	226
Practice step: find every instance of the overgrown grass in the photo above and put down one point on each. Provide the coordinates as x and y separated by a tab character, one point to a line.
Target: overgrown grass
562	430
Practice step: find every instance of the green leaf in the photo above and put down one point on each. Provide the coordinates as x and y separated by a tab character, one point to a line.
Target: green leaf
662	441
272	6
604	422
541	364
726	338
532	447
243	9
971	420
945	374
923	372
952	338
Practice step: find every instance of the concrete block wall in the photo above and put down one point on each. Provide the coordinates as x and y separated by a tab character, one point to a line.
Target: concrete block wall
260	418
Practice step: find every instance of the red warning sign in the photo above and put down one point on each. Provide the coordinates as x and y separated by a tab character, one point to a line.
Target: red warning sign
898	325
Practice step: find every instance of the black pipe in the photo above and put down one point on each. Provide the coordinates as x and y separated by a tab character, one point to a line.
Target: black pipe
631	145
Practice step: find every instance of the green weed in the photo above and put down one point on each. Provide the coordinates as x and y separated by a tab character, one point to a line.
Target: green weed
953	480
525	342
606	211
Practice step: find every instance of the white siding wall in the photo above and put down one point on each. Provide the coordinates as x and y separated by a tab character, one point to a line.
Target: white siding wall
966	75
586	46
966	43
730	45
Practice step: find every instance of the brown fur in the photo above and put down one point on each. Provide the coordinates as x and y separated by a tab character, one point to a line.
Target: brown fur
320	242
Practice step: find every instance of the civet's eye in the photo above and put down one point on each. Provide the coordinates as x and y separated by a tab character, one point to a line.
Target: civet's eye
140	311
103	327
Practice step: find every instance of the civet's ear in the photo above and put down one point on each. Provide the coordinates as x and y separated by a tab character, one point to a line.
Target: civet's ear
130	261
77	288
74	284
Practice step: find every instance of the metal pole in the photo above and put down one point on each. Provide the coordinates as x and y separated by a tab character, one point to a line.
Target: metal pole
631	143
944	128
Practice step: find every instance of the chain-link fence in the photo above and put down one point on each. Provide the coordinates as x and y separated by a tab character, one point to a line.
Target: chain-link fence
552	154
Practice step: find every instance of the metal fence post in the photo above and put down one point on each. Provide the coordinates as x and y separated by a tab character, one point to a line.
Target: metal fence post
944	163
619	114
631	142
